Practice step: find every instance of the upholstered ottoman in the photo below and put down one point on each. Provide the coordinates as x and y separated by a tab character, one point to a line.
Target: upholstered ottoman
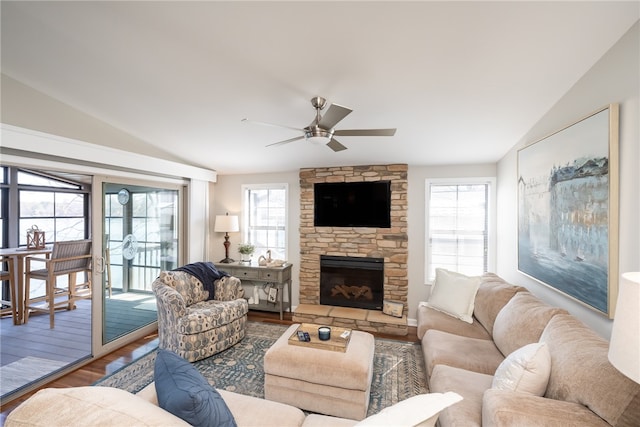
318	380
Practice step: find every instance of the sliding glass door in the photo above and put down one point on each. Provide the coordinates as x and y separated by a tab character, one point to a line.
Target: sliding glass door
140	238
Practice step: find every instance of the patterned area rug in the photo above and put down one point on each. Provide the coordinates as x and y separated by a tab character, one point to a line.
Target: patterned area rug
398	369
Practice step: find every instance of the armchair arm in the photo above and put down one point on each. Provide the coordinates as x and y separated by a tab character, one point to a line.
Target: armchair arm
171	308
508	408
29	259
228	288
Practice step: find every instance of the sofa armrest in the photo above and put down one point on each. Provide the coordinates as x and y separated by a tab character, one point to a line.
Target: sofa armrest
228	288
507	408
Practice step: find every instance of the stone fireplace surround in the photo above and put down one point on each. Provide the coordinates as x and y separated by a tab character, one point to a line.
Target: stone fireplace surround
388	243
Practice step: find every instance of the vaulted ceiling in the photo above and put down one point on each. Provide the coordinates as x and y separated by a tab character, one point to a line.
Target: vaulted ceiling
461	81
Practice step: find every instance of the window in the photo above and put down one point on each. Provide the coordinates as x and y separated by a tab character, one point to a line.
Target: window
265	219
57	207
148	218
458	226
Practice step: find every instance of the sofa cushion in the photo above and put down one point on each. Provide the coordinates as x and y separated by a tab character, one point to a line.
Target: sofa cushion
473	354
508	409
521	322
89	406
493	294
421	410
247	410
184	392
454	293
318	420
428	318
253	411
526	370
582	373
470	385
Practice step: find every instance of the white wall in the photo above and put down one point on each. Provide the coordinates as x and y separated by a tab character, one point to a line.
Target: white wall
613	79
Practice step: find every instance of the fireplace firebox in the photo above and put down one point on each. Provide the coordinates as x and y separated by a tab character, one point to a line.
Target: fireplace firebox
355	282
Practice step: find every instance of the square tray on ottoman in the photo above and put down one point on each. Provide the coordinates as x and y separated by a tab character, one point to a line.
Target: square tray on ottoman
318	380
336	342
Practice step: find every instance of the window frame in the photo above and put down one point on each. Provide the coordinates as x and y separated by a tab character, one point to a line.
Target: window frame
491	218
69	187
246	211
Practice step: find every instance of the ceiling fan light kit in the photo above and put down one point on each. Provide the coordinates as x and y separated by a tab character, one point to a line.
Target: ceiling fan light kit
321	130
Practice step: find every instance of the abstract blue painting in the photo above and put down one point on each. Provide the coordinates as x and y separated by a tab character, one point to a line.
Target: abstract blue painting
567	212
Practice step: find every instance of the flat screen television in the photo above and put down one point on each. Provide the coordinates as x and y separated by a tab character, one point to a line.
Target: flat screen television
352	204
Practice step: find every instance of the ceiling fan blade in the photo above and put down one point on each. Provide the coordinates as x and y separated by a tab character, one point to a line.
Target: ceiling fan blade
334	114
270	124
365	132
335	145
286	141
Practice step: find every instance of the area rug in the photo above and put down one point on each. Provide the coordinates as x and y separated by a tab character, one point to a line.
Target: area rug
398	368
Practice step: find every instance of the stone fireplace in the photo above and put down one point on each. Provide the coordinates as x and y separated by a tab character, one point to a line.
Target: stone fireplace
389	244
356	282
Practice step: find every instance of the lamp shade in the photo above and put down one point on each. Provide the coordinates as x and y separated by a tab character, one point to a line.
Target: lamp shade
624	348
226	223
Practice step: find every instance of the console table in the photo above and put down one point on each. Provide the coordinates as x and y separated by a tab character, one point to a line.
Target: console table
250	275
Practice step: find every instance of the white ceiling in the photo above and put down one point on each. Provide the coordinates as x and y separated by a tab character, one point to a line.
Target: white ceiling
461	81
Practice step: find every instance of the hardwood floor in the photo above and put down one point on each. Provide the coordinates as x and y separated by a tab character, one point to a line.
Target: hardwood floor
92	372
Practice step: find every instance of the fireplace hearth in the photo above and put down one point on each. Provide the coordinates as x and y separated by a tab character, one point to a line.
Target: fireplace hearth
356	282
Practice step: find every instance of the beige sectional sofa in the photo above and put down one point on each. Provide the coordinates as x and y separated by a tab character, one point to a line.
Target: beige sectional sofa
583	388
106	406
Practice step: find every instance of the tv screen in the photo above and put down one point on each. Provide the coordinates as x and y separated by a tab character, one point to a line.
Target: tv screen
352	204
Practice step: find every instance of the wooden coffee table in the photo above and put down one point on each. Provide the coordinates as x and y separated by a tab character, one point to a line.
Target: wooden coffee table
335	343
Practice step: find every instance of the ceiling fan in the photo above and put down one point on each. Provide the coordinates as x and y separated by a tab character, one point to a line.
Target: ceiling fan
321	130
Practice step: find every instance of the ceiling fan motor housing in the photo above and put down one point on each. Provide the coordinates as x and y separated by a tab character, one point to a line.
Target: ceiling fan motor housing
317	134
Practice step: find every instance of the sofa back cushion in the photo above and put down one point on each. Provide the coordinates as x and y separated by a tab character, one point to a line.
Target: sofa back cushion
581	373
187	285
521	322
493	294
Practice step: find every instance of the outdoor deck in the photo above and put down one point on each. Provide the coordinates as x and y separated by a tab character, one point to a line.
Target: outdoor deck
32	350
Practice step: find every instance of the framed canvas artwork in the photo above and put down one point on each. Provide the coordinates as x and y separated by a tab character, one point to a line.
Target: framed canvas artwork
568	210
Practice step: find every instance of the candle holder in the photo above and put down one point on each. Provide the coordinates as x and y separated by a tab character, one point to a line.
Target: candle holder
324	333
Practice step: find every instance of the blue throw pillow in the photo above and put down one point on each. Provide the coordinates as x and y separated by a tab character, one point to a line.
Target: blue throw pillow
184	392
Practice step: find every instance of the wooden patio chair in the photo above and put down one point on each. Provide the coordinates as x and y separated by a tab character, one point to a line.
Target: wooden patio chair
9	305
67	258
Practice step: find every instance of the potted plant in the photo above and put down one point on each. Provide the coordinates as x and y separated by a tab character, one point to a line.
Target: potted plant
246	250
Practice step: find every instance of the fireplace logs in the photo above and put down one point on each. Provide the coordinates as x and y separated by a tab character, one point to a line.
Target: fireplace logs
355	291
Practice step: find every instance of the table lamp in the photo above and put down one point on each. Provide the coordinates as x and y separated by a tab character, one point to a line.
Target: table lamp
624	347
225	224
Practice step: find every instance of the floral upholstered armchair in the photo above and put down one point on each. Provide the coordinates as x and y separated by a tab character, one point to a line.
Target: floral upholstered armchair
193	326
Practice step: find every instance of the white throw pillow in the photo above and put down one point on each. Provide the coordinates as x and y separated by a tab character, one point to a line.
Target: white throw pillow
454	294
421	410
525	370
